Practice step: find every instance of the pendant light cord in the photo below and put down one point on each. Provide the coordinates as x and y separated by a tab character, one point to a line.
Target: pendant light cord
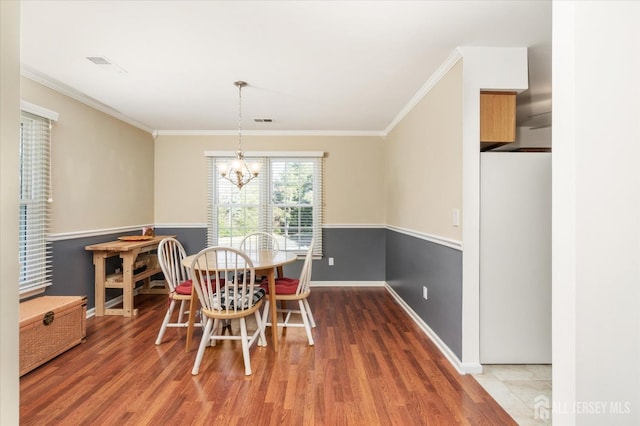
239	117
240	85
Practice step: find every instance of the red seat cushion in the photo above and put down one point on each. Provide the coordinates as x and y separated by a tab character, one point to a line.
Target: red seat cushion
184	288
283	285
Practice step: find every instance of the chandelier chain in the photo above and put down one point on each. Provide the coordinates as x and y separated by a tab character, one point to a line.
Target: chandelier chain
238	172
240	85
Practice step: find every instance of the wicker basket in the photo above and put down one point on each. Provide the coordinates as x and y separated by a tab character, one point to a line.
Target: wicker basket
50	325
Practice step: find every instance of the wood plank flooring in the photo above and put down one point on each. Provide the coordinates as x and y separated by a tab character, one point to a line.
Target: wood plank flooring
371	365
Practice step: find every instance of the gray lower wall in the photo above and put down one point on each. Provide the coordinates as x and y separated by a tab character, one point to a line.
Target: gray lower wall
358	253
412	263
406	263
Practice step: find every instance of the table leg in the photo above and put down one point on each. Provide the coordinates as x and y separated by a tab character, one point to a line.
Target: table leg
128	258
273	306
283	303
192	317
99	262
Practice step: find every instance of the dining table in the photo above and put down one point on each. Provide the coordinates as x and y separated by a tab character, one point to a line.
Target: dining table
267	263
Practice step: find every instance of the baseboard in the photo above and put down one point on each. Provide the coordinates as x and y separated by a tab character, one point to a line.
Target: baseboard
109	304
116	301
462	368
472	367
347	283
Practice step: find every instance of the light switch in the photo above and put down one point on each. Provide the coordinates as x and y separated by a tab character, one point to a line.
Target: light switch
456	217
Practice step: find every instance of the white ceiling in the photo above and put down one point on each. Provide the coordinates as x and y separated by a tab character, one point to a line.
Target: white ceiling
337	66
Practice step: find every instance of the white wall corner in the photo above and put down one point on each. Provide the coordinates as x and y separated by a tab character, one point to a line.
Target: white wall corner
484	68
496	68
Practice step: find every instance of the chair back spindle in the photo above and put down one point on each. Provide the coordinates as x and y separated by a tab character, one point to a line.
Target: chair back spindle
259	241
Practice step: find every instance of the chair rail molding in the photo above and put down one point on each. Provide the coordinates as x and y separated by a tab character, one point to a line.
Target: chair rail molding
60	236
454	244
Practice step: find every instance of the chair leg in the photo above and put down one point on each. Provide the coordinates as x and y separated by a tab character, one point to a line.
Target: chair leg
226	325
181	311
245	347
217	325
305	320
206	334
309	314
265	314
165	321
262	340
283	306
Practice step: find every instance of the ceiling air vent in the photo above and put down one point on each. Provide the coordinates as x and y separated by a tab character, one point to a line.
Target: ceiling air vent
99	60
106	64
263	120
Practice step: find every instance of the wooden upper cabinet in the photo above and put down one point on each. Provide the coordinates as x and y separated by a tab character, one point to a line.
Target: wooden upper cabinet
497	118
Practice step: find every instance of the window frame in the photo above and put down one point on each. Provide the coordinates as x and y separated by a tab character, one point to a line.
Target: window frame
35	197
265	187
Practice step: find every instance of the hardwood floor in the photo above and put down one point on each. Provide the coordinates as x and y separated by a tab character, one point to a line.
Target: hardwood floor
371	365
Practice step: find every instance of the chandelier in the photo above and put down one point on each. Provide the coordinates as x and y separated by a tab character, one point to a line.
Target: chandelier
237	171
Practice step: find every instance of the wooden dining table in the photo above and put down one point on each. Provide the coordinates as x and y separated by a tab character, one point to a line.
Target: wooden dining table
266	263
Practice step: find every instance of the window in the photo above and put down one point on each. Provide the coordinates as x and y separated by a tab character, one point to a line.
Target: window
285	199
33	250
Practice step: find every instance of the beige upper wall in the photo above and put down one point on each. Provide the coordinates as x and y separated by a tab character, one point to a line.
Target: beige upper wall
102	173
353	175
424	162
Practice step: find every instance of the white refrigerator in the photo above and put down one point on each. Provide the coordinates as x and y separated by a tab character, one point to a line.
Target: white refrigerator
515	258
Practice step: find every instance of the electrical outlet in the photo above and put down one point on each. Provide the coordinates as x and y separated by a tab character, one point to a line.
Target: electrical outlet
331	261
424	293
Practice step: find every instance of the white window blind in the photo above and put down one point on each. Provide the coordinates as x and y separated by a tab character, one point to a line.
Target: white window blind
285	199
35	197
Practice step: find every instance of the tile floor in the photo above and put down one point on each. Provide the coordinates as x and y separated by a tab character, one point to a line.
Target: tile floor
524	391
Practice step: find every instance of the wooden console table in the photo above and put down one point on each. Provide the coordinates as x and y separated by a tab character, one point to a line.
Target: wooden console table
128	252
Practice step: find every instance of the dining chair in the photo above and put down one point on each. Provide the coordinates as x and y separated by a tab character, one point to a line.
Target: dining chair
294	290
259	241
170	255
224	280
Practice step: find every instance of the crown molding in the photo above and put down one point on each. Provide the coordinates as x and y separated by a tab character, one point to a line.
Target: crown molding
62	88
442	70
358	133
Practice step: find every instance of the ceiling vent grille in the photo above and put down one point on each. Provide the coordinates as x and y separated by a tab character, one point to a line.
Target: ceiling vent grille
106	64
99	60
263	120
